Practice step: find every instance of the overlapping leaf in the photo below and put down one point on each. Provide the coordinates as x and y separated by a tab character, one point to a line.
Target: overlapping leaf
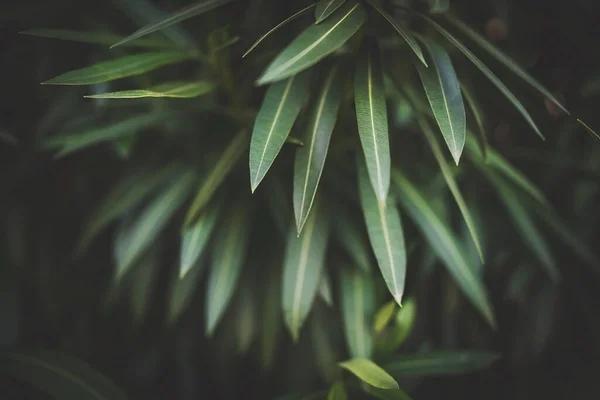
178	90
195	239
325	8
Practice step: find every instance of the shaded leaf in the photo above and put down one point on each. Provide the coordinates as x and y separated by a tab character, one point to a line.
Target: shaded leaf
181	292
271	318
588	129
325	289
325	8
477	114
357	294
438	6
370	373
386	394
440	363
352	240
94	37
337	392
195	239
180	90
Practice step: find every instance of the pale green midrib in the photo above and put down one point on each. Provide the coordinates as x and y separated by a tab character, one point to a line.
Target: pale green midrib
388	248
359	320
375	147
446	106
275	120
291	61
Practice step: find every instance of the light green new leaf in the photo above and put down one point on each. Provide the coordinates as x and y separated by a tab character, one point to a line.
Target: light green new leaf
402	30
95	38
216	176
116	69
370	373
385	234
325	8
153	219
352	240
302	269
452	185
195	239
228	256
445	245
371	116
389	340
280	108
316	42
59	375
337	392
384	315
175	18
282	23
478	115
443	92
438	6
504	59
310	159
525	225
178	90
487	72
357	294
441	363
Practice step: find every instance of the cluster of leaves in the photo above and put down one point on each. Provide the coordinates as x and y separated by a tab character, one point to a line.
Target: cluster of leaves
348	84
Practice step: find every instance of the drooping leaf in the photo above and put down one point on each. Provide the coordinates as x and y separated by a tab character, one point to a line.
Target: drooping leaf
310	159
282	23
337	392
325	8
216	175
438	6
279	110
371	115
443	92
59	375
175	18
195	239
370	373
504	59
477	114
402	30
95	38
352	240
179	90
228	257
384	315
385	234
116	69
302	268
452	185
316	42
440	363
357	294
444	244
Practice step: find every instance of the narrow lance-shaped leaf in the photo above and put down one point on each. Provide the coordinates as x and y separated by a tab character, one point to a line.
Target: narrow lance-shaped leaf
383	316
357	294
316	42
228	256
325	289
181	15
280	108
504	59
385	234
95	37
282	23
271	317
443	92
452	185
310	159
352	240
116	69
402	30
440	363
371	116
370	373
216	176
178	90
195	239
445	245
477	114
302	268
325	8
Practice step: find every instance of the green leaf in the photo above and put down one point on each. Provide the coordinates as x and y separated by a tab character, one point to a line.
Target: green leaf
175	18
445	245
279	110
477	114
357	294
337	392
402	30
487	72
371	115
302	268
216	176
438	6
504	59
271	318
282	23
441	363
153	219
525	225
588	129
325	8
384	394
310	159
352	240
325	289
181	292
385	234
389	340
195	239
384	315
179	90
315	43
325	343
452	185
116	69
228	256
59	375
443	92
94	37
371	373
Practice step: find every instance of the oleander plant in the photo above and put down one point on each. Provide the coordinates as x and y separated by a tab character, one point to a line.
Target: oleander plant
330	199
